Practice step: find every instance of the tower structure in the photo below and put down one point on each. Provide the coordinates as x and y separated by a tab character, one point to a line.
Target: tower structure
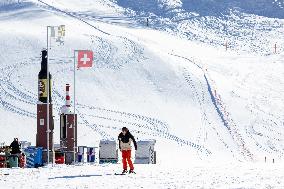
68	129
41	136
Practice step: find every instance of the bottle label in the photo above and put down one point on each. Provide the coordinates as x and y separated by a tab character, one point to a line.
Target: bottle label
42	88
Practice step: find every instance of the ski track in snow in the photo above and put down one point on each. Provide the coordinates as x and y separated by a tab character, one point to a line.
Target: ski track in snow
205	120
111	54
221	111
140	124
199	96
135	50
9	91
270	131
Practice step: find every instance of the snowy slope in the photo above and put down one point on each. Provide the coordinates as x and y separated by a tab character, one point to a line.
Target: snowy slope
192	176
119	58
159	86
173	82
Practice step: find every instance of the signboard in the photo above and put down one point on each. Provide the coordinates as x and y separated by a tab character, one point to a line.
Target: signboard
42	87
41	122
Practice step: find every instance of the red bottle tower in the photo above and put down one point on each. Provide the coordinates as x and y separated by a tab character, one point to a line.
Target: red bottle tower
41	137
68	129
43	106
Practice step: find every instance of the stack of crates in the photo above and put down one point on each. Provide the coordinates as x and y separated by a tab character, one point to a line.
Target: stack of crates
13	161
91	154
81	154
69	157
4	156
33	157
108	152
59	157
3	163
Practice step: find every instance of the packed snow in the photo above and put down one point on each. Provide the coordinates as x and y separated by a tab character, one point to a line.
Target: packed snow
149	176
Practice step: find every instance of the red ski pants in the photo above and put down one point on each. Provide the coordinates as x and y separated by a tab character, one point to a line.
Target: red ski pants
126	157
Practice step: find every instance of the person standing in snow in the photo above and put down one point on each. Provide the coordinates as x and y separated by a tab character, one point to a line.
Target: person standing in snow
15	145
125	138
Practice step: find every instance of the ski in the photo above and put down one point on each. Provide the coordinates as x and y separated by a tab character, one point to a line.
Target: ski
119	173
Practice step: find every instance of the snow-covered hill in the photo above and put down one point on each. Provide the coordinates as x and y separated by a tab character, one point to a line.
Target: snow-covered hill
219	8
249	26
173	81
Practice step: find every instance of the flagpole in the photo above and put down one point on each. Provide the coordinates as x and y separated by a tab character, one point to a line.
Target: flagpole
74	153
47	119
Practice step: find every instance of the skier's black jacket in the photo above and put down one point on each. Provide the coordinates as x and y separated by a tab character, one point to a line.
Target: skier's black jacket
125	139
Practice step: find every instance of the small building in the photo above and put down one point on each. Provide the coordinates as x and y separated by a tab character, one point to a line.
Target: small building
145	153
108	152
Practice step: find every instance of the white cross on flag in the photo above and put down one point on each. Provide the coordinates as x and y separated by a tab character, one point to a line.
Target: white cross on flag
85	59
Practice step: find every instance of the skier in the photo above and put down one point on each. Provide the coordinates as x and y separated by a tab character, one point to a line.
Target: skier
15	146
125	138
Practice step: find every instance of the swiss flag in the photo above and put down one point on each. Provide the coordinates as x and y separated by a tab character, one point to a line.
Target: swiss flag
85	59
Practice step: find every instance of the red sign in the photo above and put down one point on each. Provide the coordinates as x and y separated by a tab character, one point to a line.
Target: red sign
85	59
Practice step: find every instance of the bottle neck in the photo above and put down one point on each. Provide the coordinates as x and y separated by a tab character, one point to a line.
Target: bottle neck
44	60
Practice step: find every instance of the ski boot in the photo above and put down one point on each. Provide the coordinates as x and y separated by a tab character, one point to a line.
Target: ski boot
124	171
131	172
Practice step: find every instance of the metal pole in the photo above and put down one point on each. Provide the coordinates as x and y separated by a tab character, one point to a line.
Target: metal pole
47	118
147	22
74	154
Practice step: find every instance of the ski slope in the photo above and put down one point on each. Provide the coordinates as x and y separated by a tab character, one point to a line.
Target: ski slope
183	114
172	81
193	176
